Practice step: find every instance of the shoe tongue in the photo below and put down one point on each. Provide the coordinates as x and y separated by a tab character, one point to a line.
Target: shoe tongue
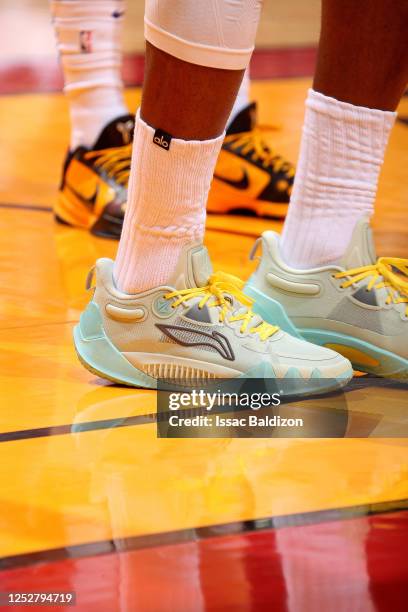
193	269
245	120
117	133
361	250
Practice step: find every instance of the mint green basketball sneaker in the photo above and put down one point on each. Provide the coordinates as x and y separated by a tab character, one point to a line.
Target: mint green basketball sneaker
357	306
199	325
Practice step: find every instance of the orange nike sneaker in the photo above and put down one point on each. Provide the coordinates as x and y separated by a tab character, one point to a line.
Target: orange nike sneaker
249	174
93	190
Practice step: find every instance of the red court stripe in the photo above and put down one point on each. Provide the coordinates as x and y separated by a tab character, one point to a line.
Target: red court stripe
194	534
359	564
283	63
39	75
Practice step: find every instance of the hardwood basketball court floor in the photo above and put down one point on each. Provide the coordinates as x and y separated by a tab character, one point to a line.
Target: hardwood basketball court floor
93	502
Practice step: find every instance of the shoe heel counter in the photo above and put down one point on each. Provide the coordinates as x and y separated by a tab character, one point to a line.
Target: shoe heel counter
91	323
258	277
267	302
97	283
103	272
100	356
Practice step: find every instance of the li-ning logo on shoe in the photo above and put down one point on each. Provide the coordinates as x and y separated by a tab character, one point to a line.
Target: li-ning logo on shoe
126	130
85	41
162	139
182	335
162	308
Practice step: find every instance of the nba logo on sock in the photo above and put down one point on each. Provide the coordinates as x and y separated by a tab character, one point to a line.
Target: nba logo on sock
85	41
162	139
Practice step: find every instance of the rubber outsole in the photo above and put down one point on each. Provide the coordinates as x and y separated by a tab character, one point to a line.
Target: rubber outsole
99	356
103	375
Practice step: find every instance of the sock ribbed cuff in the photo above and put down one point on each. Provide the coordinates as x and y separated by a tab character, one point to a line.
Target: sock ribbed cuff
344	110
341	155
168	189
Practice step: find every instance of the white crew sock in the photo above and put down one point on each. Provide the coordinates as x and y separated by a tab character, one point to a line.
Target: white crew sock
89	42
165	211
242	100
341	155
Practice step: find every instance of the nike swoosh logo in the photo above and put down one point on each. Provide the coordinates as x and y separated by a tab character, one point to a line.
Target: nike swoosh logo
182	335
89	202
242	183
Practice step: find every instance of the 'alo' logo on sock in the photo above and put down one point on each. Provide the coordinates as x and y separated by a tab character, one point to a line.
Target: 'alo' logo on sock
162	139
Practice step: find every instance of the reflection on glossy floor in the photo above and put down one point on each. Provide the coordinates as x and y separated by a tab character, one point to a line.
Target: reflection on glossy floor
93	501
336	565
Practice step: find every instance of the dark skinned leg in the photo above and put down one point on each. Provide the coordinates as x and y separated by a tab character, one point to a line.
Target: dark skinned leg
188	101
363	52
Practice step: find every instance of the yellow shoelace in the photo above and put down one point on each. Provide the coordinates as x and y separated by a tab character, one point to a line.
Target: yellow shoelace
115	162
220	284
397	287
255	142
